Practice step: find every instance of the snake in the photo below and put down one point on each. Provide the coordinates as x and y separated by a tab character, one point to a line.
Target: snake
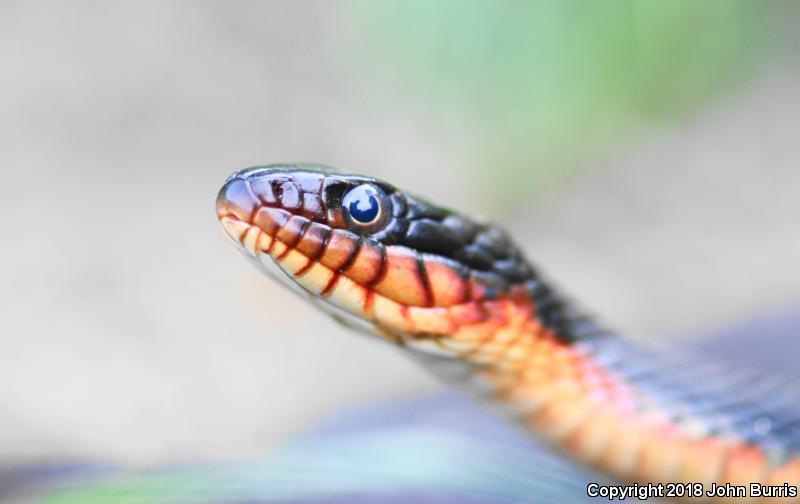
458	295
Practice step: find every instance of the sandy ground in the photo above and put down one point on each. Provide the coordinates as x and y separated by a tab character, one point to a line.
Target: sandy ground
131	330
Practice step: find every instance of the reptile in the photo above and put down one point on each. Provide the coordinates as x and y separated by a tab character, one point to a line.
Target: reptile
456	294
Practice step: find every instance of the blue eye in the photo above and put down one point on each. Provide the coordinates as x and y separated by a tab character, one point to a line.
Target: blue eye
363	204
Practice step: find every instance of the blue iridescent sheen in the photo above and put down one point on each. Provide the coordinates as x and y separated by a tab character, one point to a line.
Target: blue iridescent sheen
362	203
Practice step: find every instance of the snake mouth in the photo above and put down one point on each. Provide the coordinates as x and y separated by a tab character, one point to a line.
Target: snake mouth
253	210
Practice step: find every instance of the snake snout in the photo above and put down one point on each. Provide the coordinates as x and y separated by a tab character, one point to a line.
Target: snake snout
257	204
236	199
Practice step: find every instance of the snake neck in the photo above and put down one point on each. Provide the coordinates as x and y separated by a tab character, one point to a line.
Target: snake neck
619	408
526	351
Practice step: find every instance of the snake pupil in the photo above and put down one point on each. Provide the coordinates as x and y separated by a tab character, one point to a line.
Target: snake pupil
363	205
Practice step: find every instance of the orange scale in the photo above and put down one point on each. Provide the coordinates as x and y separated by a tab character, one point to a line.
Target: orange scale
588	441
545	345
537	361
313	242
527	389
264	242
516	366
448	288
546	372
559	369
278	249
560	417
565	389
292	230
367	265
401	280
270	220
523	405
506	335
745	464
500	382
786	474
491	348
661	456
535	376
517	353
468	313
522	341
623	451
478	333
703	461
432	320
339	250
789	472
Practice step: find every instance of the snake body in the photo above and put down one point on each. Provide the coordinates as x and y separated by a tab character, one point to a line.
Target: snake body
457	294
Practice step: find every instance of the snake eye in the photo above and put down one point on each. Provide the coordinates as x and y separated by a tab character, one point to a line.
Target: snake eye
363	204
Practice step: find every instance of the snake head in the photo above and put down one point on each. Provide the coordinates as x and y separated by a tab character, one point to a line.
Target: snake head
368	252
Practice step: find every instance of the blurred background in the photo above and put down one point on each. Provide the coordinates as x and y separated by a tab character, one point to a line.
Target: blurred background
643	152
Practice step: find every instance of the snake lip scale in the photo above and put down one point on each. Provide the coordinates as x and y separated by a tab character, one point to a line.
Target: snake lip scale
460	297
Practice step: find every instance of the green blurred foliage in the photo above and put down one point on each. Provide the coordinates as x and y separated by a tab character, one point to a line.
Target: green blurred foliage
549	85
